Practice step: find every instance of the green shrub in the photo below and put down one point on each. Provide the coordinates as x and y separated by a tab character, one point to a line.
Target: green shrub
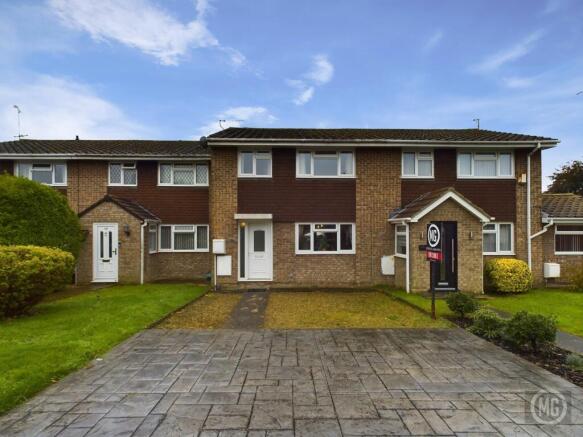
488	324
461	304
532	330
574	275
27	273
36	214
507	275
574	361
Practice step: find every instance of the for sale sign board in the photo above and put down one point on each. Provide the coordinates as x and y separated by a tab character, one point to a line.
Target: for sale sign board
433	249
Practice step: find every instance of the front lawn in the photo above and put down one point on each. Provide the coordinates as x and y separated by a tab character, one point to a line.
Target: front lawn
315	309
566	305
63	335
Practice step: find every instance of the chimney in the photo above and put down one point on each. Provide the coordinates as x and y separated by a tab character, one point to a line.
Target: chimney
77	137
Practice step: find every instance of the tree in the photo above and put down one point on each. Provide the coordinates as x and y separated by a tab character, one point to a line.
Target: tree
568	179
38	215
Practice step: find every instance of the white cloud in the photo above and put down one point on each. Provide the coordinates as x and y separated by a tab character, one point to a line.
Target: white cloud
55	108
142	25
552	6
518	82
320	73
517	51
238	116
434	40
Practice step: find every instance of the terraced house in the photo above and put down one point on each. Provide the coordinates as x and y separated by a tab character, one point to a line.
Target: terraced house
294	208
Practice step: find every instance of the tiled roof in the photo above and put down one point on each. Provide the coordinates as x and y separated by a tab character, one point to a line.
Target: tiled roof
130	206
96	148
414	207
563	205
438	135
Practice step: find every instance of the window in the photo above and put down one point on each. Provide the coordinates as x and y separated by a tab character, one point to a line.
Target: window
255	164
123	173
184	238
498	239
417	165
401	240
569	240
153	238
324	238
183	174
324	164
485	165
45	173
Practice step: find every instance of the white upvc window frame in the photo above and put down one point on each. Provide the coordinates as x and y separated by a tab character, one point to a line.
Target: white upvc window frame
153	236
401	233
255	153
338	156
558	232
51	168
173	231
496	231
338	251
125	165
420	155
194	170
475	156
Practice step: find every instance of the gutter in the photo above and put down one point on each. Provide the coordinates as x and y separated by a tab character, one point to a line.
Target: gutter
66	157
528	206
543	230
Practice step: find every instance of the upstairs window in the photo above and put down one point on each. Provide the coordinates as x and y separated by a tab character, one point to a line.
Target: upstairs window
498	239
123	173
401	240
324	164
569	240
255	164
179	174
417	165
184	238
321	238
54	173
485	165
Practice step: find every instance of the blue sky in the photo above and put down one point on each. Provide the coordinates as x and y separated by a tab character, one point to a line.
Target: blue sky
170	69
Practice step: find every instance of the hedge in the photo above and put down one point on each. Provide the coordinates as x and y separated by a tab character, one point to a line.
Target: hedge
36	214
27	273
507	275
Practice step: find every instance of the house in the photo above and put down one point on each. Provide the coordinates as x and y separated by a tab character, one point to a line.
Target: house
293	208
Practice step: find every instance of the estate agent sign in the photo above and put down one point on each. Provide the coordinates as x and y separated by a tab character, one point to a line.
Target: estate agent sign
433	249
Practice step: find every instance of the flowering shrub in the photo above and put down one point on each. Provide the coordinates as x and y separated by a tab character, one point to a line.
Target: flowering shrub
508	275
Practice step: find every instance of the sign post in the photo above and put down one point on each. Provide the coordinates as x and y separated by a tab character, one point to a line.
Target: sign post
434	255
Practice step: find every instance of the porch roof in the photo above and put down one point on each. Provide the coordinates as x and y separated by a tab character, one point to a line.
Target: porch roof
427	202
130	206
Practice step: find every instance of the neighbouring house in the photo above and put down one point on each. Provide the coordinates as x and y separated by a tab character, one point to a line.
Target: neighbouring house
293	208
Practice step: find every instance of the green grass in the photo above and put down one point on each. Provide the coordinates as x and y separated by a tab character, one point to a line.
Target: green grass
423	302
566	305
63	335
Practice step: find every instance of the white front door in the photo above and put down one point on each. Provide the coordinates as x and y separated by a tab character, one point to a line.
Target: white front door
105	252
259	251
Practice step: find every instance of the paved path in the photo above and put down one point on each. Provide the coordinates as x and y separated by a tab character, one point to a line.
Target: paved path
303	383
249	313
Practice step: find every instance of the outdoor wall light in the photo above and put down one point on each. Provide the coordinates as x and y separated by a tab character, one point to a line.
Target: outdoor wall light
126	230
243	224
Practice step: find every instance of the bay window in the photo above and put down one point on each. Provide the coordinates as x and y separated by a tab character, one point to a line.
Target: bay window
183	238
569	240
498	239
322	238
183	174
325	164
417	164
255	164
401	240
485	165
123	173
48	173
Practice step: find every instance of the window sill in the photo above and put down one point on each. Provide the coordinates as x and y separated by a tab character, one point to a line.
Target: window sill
418	177
489	178
324	177
183	251
241	176
569	253
123	185
400	255
326	253
184	186
498	253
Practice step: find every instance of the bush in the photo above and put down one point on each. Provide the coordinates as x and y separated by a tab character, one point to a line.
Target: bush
574	361
533	330
574	275
507	275
488	324
461	304
36	214
27	273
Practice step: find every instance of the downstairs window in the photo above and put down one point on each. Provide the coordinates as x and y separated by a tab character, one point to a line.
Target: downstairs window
497	239
324	238
183	238
569	240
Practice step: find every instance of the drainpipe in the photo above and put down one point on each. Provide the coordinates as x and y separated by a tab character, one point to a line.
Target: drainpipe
528	207
543	230
407	274
142	251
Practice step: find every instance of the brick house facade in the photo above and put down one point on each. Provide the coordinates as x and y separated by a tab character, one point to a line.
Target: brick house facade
294	208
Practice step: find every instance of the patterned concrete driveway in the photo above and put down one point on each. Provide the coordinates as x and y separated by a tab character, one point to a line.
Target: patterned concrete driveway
303	383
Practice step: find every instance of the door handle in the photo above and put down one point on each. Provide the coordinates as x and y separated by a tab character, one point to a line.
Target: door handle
452	257
114	251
